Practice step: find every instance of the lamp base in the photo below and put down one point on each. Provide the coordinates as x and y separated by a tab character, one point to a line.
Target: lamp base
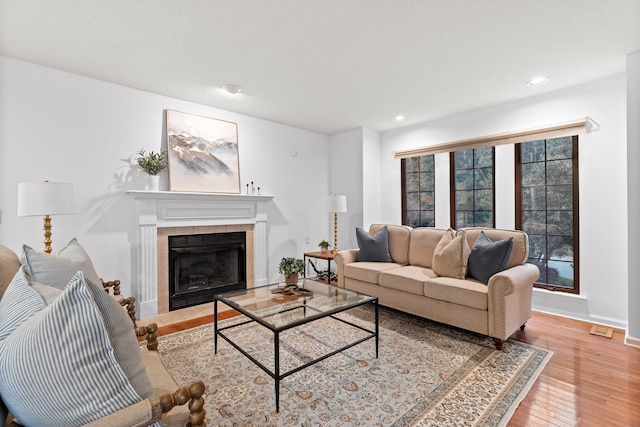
335	232
47	234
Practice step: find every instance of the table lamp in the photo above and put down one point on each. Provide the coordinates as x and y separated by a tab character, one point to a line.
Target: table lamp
337	204
45	199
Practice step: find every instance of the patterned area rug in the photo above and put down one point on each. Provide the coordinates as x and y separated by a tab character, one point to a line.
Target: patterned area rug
427	374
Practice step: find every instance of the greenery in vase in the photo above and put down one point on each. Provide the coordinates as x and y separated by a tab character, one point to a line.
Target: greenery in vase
152	163
324	244
290	265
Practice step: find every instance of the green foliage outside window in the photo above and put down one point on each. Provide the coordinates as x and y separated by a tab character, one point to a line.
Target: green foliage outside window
547	208
419	191
473	174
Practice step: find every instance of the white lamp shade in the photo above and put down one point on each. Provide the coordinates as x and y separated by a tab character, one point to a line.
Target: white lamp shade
45	198
337	203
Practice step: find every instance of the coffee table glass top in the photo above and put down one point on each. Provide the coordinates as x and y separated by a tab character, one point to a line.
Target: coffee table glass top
278	311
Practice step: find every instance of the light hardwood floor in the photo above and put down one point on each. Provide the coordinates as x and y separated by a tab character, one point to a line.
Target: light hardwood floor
589	381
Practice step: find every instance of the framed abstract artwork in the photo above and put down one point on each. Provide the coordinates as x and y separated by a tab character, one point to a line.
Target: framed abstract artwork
203	154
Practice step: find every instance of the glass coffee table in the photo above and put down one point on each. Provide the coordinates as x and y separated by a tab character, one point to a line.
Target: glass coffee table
279	312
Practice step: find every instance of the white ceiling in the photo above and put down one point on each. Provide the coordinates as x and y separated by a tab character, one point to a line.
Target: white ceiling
329	65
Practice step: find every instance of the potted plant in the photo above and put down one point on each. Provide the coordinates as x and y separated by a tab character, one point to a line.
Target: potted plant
151	162
290	267
324	246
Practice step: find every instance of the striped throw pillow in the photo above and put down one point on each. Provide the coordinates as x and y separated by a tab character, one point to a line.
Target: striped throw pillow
58	366
20	302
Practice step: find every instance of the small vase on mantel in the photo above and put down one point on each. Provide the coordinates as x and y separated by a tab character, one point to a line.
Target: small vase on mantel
152	183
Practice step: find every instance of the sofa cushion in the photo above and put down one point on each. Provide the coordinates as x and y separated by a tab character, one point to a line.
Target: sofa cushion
466	292
409	278
451	255
488	258
399	236
70	334
373	248
57	270
422	244
9	265
367	271
520	252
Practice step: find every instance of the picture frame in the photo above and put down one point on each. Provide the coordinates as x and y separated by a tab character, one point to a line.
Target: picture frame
202	154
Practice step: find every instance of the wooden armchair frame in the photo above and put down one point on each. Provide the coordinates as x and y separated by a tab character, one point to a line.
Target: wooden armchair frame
128	303
191	394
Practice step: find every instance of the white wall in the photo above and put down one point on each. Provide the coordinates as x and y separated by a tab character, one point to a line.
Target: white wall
64	127
346	154
371	181
633	159
602	181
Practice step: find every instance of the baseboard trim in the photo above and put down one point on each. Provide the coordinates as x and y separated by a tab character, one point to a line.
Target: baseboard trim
630	341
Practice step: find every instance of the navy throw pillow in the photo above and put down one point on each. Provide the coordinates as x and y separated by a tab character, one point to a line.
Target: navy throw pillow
488	258
373	248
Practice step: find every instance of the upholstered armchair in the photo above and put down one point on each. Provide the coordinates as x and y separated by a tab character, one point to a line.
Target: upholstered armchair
144	394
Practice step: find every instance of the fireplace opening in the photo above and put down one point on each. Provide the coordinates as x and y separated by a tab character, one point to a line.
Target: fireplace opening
202	265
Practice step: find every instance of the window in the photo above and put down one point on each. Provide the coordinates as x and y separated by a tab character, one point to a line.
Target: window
472	192
418	191
547	208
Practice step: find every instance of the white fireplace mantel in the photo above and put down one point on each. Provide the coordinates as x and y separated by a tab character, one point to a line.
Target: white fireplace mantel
159	209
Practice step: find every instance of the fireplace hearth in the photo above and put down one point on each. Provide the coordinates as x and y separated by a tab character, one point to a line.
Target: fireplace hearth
202	265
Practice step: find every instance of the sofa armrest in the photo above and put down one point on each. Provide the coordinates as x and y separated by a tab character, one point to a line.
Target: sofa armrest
341	258
150	410
140	414
510	293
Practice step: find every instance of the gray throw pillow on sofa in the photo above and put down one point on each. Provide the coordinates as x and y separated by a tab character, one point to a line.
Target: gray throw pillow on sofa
488	258
373	248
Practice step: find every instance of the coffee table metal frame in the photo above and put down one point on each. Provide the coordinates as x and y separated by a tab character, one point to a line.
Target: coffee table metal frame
305	319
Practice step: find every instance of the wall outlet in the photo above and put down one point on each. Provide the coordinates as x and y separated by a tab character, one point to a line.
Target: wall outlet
307	240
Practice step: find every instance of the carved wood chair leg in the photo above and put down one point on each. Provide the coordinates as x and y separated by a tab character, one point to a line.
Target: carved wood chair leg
498	343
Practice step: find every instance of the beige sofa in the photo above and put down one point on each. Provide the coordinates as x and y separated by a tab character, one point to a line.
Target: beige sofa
409	284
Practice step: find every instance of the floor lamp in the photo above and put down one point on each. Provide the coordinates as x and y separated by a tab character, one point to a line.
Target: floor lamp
337	204
45	199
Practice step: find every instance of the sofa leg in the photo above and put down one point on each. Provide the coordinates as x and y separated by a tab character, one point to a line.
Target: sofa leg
498	343
523	325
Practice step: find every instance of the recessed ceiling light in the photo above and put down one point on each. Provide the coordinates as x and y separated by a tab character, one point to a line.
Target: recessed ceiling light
537	81
232	89
400	118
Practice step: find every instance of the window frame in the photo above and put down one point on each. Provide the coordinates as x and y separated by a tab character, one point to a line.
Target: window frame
403	174
575	211
452	187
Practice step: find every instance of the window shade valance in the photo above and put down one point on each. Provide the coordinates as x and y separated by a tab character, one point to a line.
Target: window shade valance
566	129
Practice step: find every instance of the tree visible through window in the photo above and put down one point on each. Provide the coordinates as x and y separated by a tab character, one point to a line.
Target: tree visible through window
472	192
547	208
418	191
